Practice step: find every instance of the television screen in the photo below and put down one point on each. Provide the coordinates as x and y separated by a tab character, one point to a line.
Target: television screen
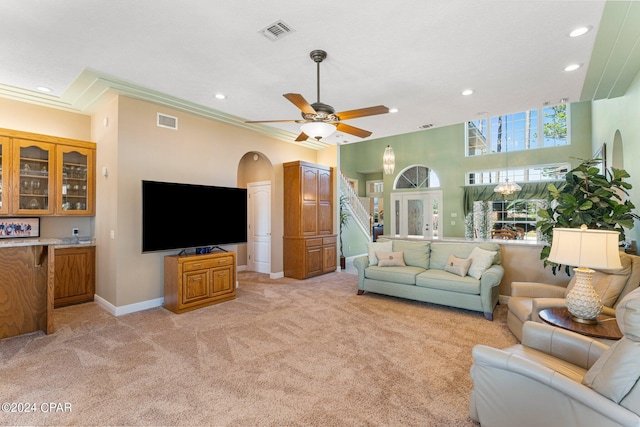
182	216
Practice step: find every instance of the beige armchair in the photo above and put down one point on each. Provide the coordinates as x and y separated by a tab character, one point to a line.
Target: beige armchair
528	298
559	378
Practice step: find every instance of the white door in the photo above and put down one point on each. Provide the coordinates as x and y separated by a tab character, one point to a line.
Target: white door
416	214
259	224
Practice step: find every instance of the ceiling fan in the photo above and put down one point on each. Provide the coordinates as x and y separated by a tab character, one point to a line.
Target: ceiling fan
319	119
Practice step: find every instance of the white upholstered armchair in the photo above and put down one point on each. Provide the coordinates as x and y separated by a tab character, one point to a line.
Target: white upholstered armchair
528	299
559	378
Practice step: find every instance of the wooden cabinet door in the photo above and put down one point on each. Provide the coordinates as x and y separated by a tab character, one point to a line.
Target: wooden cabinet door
195	286
222	281
74	279
31	182
5	186
75	180
309	213
314	261
329	257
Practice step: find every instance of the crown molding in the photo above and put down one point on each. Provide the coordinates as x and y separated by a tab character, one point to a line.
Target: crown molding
90	87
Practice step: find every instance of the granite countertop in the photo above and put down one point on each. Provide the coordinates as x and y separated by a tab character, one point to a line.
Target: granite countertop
47	241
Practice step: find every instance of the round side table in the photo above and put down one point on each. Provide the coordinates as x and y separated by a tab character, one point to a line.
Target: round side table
606	328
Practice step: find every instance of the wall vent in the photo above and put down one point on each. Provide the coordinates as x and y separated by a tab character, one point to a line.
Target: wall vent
276	31
169	122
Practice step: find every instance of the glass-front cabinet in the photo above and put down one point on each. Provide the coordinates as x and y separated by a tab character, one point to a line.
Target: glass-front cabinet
32	185
43	175
75	180
5	158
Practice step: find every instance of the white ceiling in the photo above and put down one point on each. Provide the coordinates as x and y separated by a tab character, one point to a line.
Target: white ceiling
417	58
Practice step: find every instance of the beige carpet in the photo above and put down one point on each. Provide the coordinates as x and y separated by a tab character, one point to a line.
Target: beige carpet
284	353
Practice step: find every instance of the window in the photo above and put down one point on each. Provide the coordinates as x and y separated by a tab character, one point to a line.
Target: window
416	176
505	219
547	127
551	172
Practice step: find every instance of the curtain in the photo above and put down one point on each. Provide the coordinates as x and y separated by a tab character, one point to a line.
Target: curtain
485	193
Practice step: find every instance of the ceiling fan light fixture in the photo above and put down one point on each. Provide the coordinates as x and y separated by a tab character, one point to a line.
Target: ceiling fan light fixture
318	130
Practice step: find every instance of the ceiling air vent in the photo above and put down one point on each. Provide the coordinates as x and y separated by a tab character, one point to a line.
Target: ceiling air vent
276	31
165	121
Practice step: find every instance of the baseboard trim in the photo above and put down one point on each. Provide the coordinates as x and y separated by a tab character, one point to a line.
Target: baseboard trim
278	275
503	299
129	308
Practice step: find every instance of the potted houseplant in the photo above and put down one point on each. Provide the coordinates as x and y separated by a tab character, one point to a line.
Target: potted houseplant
343	217
587	197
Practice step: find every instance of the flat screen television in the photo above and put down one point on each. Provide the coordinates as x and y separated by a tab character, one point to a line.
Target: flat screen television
183	216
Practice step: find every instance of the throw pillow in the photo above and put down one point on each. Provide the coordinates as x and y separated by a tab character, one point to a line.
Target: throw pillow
480	260
373	247
390	259
458	266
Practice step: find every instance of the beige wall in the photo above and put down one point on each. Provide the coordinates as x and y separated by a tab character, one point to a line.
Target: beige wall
201	151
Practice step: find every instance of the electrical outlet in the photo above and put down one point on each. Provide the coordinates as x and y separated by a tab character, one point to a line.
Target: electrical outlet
74	232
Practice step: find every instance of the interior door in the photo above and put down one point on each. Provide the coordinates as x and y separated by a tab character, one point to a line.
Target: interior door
416	214
259	224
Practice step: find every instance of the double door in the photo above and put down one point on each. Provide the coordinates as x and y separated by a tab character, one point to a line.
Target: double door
45	178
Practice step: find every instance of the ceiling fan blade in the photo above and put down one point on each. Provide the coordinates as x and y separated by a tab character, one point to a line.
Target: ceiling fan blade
302	137
274	121
353	130
362	112
299	101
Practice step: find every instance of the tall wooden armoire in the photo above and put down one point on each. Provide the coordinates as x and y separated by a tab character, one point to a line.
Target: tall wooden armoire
309	244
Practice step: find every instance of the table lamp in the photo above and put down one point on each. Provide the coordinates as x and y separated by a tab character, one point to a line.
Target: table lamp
585	249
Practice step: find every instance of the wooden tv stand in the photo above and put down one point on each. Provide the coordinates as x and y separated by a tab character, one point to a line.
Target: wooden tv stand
196	281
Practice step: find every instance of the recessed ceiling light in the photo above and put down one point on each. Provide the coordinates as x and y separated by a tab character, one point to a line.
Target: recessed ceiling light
482	113
393	110
220	96
467	92
43	89
580	31
572	67
427	126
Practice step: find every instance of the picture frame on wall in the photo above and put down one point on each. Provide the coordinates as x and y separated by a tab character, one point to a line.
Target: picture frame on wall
18	227
602	155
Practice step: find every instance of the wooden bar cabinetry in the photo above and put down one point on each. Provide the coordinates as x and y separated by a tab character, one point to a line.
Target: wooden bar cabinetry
74	275
196	281
309	246
45	175
25	300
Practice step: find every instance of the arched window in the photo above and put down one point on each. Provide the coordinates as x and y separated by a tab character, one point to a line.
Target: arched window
416	176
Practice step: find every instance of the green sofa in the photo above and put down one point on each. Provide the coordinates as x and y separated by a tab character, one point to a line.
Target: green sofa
424	277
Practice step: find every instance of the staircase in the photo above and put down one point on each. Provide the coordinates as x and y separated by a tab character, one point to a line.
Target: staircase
358	212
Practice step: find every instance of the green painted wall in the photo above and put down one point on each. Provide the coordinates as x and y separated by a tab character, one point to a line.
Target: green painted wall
443	151
616	122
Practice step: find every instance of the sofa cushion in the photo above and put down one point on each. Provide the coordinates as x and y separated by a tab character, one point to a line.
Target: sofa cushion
440	252
403	275
481	259
374	247
390	259
440	279
416	254
458	266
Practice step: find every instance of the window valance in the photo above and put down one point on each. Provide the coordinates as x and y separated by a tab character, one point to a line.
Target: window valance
483	193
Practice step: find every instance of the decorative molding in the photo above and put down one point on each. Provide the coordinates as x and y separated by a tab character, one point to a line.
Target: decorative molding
88	91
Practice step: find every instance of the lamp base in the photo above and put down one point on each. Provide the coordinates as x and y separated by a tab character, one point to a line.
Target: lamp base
584	321
583	302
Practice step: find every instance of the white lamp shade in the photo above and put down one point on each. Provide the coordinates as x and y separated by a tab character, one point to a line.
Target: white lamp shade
318	130
583	247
